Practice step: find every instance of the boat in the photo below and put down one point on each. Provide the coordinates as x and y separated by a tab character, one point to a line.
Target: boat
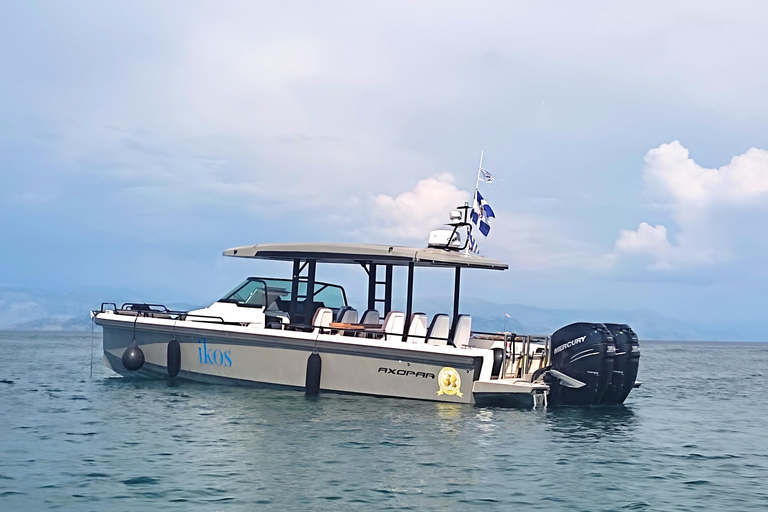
300	333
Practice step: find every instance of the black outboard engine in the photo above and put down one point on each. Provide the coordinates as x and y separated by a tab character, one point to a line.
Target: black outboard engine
630	373
582	355
633	362
625	364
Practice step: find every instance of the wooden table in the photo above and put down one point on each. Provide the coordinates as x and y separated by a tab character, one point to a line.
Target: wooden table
366	330
340	325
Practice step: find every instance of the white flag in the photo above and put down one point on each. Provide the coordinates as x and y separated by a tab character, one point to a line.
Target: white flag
486	176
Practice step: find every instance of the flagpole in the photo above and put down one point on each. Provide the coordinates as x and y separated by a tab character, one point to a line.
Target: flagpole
474	200
479	170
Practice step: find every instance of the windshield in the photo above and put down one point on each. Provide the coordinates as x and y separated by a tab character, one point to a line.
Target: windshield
252	292
275	294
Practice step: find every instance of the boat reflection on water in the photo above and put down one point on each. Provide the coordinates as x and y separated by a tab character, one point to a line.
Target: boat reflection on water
590	424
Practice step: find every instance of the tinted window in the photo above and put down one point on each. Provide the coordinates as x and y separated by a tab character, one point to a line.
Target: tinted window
251	293
276	294
331	296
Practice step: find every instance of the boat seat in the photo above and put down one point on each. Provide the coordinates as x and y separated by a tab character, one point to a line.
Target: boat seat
370	317
306	309
393	326
462	331
346	315
417	331
438	331
282	305
323	317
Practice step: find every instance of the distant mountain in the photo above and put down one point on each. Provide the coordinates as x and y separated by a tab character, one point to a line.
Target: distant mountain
490	316
39	309
50	310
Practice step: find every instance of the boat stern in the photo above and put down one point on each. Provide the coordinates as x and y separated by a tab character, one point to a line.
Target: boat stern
510	393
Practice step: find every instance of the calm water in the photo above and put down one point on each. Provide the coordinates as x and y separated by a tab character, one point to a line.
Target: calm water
694	437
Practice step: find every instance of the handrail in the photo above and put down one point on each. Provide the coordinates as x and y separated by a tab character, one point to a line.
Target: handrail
494	333
151	314
149	307
148	312
102	310
380	332
220	319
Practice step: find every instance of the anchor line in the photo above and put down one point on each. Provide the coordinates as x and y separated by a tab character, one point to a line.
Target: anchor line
136	319
93	320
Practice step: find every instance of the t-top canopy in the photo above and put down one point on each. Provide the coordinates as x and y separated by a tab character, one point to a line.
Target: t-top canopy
365	253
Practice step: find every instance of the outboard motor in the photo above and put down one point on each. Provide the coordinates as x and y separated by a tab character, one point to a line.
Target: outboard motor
622	336
581	364
630	373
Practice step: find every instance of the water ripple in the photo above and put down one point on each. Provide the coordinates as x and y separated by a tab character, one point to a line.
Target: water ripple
683	442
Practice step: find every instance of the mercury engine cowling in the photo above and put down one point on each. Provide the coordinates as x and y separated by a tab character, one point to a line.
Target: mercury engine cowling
621	336
630	374
615	393
582	351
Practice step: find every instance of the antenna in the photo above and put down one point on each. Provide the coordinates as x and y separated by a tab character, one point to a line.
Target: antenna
474	200
479	171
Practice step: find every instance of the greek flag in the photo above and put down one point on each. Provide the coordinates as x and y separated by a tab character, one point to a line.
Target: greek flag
481	214
486	176
472	244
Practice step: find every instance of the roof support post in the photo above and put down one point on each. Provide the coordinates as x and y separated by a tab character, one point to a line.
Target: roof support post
371	286
456	286
309	302
408	301
388	290
294	289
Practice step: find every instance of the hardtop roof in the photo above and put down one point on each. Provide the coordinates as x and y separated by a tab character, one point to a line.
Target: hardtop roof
366	253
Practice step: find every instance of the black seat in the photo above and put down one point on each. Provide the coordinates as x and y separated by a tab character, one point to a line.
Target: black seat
282	305
305	310
370	317
346	315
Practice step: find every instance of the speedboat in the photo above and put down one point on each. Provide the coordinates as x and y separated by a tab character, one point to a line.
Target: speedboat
302	333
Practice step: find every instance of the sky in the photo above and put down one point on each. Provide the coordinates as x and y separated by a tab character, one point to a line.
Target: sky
138	140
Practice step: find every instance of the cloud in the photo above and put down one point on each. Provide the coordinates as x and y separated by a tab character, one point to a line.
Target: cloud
411	215
242	80
646	240
703	203
525	240
250	122
671	174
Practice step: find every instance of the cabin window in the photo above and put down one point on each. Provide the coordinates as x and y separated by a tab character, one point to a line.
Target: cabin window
331	296
253	292
275	294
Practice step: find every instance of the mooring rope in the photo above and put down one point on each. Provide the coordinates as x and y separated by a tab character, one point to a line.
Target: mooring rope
93	320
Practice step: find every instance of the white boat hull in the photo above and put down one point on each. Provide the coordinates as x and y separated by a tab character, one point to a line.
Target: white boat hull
243	355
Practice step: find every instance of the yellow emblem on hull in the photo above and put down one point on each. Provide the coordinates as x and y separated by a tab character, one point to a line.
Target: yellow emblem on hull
449	382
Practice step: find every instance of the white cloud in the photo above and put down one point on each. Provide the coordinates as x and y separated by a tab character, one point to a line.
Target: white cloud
301	107
646	239
671	174
651	243
241	80
700	201
524	240
411	215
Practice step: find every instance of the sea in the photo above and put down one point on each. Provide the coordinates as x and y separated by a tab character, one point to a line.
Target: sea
75	436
